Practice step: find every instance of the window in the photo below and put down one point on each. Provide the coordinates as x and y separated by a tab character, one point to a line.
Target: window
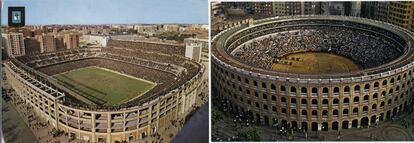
314	112
336	90
314	90
282	88
303	90
336	101
346	100
355	111
314	101
325	101
345	111
325	90
294	111
303	101
293	100
346	89
292	89
304	112
356	99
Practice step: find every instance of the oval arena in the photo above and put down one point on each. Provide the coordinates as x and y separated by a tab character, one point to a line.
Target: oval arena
269	69
88	114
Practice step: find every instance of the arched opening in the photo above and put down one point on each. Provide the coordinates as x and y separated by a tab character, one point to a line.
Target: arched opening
365	109
283	99
314	126
325	112
294	111
266	120
336	101
366	98
345	124
294	125
325	90
364	122
314	102
373	119
376	85
388	114
284	124
273	87
384	83
314	90
366	88
345	112
356	100
346	100
293	100
355	111
335	125
314	113
284	110
394	111
355	123
346	89
374	107
375	96
381	118
304	126
357	88
325	101
325	126
335	112
336	90
282	88
293	89
303	101
304	112
304	90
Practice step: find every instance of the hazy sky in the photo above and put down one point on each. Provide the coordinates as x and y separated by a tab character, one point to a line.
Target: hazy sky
110	11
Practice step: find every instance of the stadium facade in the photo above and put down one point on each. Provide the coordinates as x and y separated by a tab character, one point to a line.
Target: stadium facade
140	119
315	102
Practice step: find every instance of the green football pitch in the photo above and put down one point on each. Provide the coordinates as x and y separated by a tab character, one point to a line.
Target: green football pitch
104	86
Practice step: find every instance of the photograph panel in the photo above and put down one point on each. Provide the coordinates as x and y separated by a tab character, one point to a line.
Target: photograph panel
104	71
312	71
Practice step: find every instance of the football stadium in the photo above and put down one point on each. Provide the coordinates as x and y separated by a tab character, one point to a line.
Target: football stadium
125	92
314	73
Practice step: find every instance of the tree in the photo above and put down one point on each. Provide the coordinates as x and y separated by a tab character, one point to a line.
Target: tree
216	116
250	135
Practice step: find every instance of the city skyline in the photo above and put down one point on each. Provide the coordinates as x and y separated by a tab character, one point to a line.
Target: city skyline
94	12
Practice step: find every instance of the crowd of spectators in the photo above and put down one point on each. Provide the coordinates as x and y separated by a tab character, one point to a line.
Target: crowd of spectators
365	48
149	46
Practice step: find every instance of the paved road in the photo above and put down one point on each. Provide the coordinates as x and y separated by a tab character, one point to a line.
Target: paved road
15	130
196	128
